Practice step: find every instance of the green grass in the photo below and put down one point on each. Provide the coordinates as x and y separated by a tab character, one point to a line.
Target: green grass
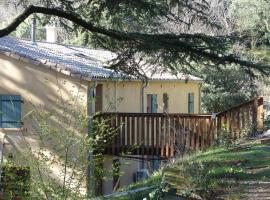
219	169
137	196
212	172
154	180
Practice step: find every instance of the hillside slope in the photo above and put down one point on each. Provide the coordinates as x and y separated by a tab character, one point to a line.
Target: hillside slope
234	172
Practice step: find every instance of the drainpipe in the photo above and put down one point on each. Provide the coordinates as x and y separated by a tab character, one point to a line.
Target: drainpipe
145	84
90	113
200	90
115	96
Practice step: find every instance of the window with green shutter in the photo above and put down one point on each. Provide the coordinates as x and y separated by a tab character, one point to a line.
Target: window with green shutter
10	111
190	102
152	104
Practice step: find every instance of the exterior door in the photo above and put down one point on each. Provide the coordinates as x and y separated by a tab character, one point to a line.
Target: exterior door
98	98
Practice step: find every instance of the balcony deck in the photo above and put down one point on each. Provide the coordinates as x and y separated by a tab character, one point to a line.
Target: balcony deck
168	135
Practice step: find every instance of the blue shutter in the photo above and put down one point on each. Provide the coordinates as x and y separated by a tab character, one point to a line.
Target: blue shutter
153	103
190	103
11	111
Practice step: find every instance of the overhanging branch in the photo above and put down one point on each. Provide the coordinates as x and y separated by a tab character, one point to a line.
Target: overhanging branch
188	44
90	27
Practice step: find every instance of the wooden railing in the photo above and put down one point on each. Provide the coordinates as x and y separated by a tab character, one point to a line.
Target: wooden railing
167	135
242	118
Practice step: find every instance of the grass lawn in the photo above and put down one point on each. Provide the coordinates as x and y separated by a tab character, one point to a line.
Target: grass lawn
220	172
151	182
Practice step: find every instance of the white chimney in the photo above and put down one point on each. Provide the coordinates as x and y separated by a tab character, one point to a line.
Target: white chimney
51	34
33	30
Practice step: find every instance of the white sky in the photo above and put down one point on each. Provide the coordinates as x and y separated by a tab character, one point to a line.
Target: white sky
7	10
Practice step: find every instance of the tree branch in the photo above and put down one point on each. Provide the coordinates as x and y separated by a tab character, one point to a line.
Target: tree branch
188	44
90	27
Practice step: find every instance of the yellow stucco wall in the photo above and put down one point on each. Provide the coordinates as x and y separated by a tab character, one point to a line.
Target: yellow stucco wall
40	86
128	95
43	88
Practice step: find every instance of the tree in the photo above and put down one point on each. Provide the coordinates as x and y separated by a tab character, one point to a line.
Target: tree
224	88
136	31
252	20
57	155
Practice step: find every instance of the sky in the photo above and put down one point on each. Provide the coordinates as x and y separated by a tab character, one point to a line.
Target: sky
7	10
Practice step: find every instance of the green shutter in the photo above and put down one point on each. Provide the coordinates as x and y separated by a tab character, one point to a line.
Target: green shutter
154	103
10	111
190	103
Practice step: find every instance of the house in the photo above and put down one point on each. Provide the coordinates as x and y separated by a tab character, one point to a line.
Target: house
53	77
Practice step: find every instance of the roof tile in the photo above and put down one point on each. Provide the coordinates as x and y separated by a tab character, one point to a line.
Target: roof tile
79	62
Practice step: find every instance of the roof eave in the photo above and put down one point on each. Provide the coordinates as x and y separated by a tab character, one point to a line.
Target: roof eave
62	69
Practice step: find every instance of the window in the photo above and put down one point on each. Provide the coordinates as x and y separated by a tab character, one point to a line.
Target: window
190	102
152	103
165	103
10	111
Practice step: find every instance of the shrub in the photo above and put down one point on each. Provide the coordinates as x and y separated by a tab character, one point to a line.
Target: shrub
15	182
224	138
267	122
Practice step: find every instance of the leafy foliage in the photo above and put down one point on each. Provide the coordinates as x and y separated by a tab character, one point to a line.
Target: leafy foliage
252	19
58	155
267	122
225	87
15	182
225	137
205	175
139	34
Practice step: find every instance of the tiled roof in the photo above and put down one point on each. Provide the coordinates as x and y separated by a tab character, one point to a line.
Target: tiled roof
76	61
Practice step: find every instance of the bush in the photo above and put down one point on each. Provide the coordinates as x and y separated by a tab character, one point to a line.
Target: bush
224	138
267	122
15	182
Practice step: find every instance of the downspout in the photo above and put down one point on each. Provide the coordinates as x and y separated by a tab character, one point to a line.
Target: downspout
145	84
115	96
200	90
90	114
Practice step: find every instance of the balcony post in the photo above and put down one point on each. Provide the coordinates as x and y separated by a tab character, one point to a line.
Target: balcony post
90	165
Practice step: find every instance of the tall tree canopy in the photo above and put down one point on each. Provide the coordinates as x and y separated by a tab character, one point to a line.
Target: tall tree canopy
226	87
174	34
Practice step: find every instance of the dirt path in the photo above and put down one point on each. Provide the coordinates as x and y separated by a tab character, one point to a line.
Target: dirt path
259	191
252	190
237	172
249	190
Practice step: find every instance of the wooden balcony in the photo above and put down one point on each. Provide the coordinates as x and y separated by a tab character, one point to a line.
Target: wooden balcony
168	135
